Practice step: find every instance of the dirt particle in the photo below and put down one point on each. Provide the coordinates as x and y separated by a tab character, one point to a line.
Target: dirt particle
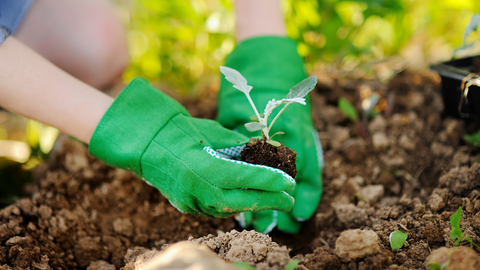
371	193
123	226
350	215
380	140
460	258
323	258
87	250
355	244
133	253
101	265
45	212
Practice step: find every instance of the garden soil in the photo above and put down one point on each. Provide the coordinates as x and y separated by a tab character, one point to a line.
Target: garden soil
411	174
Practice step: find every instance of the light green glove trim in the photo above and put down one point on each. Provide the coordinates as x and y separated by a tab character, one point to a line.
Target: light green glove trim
272	66
149	133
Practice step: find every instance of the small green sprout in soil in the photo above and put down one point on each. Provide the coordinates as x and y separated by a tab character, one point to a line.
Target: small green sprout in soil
456	232
397	239
473	139
260	121
350	112
437	266
291	265
242	265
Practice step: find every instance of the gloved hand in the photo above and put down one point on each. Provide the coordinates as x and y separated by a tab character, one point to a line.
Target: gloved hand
272	66
147	132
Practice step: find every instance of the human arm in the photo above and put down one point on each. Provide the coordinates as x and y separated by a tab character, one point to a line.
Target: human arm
259	18
146	132
35	88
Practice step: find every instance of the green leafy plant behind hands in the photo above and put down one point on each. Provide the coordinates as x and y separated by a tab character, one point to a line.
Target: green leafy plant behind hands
471	27
473	139
290	266
397	239
260	121
348	109
456	232
243	265
350	112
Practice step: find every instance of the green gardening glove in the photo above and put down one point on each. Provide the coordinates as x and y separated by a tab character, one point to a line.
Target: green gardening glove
272	66
149	133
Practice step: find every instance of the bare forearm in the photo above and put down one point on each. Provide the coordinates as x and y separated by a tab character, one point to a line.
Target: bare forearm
259	18
35	88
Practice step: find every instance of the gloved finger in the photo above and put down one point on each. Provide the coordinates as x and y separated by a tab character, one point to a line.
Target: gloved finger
234	174
265	221
216	135
246	200
244	219
309	182
287	223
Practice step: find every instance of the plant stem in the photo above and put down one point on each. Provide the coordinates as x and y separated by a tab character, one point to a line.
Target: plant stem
254	108
276	117
362	129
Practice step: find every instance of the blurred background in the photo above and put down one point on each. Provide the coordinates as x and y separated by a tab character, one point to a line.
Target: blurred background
178	46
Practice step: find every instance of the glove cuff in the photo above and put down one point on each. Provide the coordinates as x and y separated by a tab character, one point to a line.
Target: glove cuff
128	126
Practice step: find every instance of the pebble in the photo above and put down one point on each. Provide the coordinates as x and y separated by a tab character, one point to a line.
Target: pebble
371	194
356	244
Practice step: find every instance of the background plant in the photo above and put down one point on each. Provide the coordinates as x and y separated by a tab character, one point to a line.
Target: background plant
182	43
397	239
456	232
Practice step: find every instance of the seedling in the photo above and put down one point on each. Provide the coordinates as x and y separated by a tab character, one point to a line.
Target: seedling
473	139
242	265
397	239
456	232
351	113
437	266
260	121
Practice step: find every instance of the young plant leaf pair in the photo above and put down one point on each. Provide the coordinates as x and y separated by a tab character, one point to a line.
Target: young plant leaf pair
456	232
260	121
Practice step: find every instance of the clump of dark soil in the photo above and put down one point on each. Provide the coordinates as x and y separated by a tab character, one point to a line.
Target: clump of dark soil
262	153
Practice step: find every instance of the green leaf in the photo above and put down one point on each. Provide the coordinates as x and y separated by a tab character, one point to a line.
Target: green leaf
474	139
277	133
303	88
236	79
254	126
243	265
455	219
347	109
434	266
291	265
274	143
254	118
397	239
457	242
456	233
471	27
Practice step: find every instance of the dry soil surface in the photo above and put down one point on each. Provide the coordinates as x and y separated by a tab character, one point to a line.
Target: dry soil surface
411	174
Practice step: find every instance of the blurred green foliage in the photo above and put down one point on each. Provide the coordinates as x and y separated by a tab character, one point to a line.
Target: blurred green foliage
182	43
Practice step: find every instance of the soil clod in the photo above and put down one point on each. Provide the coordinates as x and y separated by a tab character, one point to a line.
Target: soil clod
262	153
